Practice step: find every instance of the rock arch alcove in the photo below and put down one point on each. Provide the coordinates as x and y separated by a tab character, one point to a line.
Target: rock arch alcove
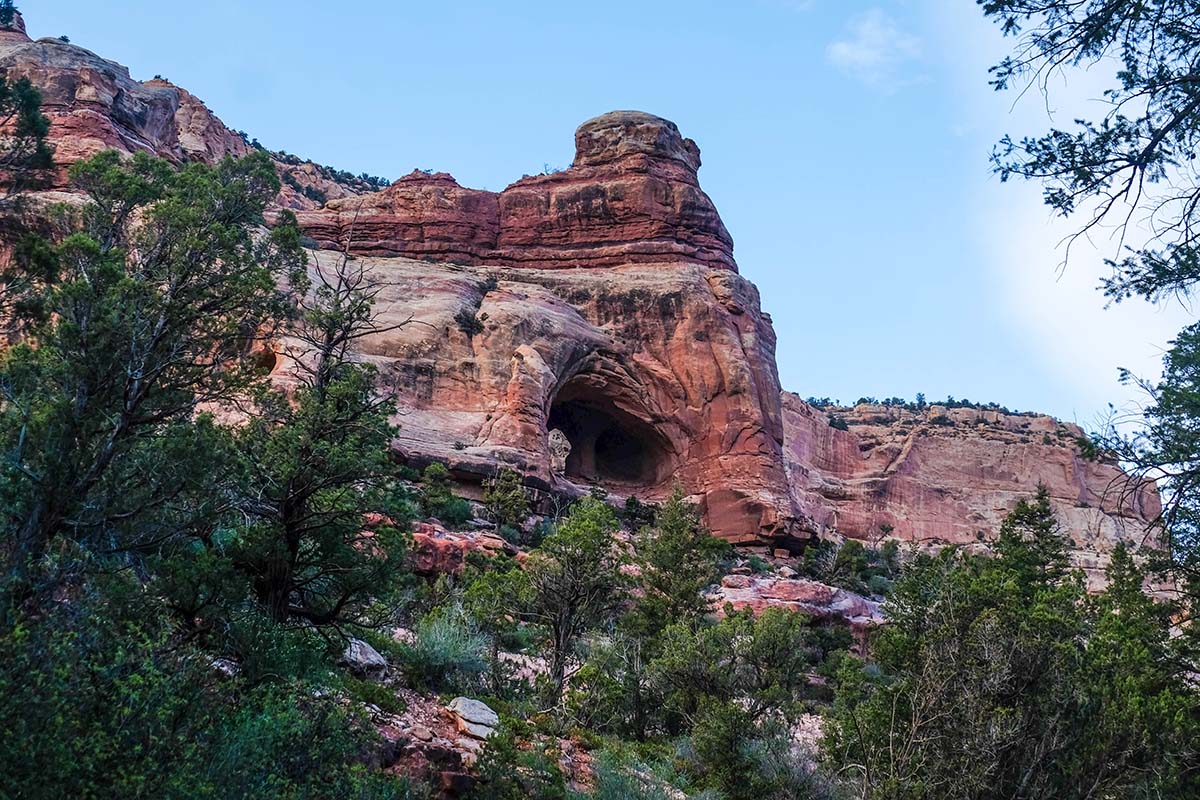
614	441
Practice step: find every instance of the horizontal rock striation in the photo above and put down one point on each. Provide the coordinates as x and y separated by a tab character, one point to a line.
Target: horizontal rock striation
939	476
631	197
603	301
656	373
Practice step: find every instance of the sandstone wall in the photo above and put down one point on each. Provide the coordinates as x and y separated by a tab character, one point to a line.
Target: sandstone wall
950	476
604	300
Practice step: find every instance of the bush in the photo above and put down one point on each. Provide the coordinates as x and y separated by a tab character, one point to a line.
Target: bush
438	498
758	565
448	653
469	322
622	777
518	765
97	699
506	499
365	691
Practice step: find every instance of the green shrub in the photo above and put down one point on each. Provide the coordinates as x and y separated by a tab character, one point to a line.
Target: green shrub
365	691
98	699
447	653
506	499
516	764
437	496
469	322
758	565
455	511
623	777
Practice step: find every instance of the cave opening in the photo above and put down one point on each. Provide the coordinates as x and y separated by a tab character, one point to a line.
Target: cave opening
610	445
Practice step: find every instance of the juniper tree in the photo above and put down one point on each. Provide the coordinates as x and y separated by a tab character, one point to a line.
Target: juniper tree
128	324
1132	170
317	486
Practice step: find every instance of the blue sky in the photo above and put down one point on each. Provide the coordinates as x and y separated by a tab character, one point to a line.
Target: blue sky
844	143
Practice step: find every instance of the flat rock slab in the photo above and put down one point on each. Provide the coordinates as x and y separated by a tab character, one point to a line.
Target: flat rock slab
474	711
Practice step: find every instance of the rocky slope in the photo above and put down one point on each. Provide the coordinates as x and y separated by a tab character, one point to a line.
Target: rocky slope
604	301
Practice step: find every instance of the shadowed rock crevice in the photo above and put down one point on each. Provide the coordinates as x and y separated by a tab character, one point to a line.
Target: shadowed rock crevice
611	444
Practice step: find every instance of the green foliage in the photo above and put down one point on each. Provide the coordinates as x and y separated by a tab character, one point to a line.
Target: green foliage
1001	677
367	691
516	764
126	329
495	599
26	154
469	322
506	499
438	498
447	653
623	776
761	663
729	753
99	700
637	514
677	560
575	582
853	566
838	422
1132	162
8	12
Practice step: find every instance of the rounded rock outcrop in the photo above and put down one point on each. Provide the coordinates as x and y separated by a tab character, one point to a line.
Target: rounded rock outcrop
617	134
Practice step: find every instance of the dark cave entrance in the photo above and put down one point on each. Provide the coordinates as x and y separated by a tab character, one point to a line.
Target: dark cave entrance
609	444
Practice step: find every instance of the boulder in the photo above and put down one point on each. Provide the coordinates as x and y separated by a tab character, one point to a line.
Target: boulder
473	717
362	659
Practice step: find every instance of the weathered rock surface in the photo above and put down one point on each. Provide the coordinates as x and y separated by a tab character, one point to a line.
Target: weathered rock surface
656	372
818	600
437	551
631	197
94	104
474	717
604	301
363	659
950	475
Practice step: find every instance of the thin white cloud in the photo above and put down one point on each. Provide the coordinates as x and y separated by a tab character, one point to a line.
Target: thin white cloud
875	49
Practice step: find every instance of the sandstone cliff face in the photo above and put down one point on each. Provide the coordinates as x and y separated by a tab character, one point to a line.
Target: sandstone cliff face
656	372
631	197
604	301
950	476
94	104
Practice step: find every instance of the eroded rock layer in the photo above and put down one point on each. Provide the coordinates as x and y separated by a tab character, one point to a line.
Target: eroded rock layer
631	197
603	301
656	373
941	475
93	104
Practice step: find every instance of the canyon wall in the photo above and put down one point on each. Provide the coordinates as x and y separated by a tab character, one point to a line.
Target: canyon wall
604	301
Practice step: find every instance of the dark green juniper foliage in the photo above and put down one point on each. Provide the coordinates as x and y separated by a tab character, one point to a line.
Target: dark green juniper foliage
1135	163
1001	677
125	331
129	518
316	486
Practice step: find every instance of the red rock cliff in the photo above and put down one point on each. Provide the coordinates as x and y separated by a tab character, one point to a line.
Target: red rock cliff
631	197
604	301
